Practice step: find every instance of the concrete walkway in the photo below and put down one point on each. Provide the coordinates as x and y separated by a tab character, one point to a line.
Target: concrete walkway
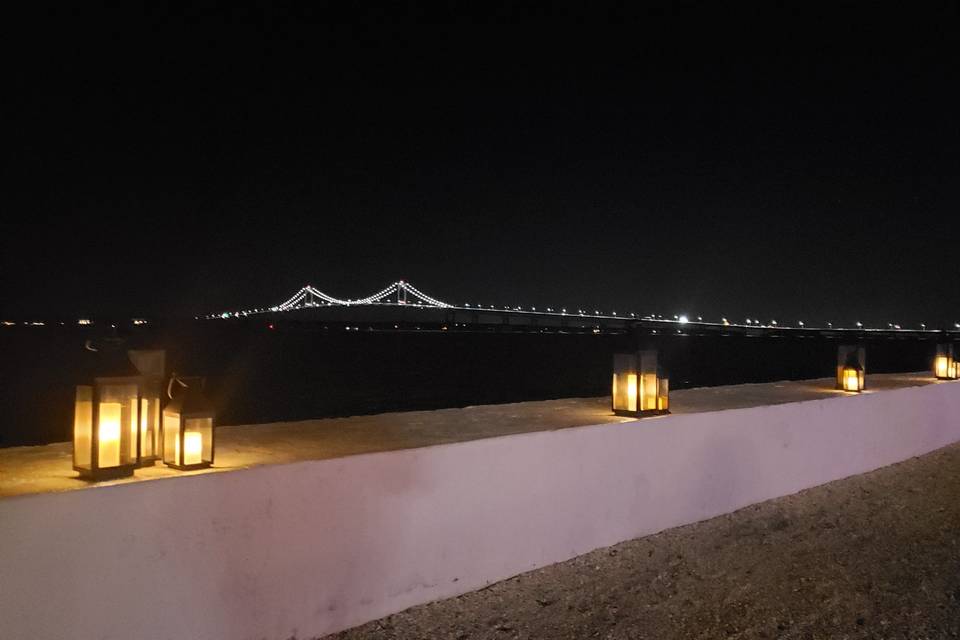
872	556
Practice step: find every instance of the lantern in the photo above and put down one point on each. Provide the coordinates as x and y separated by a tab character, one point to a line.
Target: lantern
115	419
188	429
639	387
851	368
150	364
944	365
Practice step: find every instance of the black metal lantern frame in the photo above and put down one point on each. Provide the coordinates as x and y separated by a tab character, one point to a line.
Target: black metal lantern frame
945	366
116	419
851	368
188	431
639	386
105	434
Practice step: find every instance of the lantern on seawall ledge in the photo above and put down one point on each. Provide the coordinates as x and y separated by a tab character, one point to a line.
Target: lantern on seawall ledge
116	418
150	364
851	368
945	367
188	420
639	386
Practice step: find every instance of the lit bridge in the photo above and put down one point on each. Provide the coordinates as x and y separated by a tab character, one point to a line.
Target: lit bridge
401	305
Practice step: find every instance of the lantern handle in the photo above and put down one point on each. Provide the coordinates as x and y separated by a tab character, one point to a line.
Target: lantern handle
88	345
174	378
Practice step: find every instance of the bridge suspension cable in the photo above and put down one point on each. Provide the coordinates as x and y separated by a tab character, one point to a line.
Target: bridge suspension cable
309	296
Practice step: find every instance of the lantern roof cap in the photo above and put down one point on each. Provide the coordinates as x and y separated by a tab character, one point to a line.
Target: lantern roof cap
108	360
190	400
852	360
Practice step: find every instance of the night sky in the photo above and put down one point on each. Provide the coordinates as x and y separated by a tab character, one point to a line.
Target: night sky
788	163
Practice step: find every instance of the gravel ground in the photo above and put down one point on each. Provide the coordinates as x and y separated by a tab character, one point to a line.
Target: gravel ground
872	556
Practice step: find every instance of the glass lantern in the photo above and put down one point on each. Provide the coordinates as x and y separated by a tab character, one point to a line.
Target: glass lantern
188	423
851	368
944	365
150	365
639	387
112	424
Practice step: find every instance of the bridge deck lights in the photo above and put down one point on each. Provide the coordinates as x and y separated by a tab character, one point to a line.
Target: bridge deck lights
188	441
945	367
116	419
639	386
851	368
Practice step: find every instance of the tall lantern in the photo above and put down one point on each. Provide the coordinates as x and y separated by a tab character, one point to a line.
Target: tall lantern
639	387
150	364
188	429
112	417
944	365
851	368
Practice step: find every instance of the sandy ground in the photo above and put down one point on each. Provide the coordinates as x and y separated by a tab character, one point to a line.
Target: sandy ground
872	556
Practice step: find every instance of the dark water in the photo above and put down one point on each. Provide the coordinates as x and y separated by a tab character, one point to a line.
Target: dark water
261	375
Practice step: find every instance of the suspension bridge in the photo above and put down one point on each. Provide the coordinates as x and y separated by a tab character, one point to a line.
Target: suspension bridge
404	305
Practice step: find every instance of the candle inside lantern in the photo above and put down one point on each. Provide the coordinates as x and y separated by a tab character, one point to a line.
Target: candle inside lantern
109	434
941	366
146	445
192	447
631	392
851	381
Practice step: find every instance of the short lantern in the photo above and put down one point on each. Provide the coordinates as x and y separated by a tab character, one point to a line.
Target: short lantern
116	418
944	365
851	368
188	429
639	386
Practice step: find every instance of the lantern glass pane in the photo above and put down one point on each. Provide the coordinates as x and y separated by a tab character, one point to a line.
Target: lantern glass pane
648	380
197	441
941	366
171	438
83	427
117	425
149	421
624	382
625	392
851	379
663	395
648	394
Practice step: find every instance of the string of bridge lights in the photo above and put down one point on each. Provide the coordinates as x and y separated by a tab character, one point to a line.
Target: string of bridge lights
404	293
